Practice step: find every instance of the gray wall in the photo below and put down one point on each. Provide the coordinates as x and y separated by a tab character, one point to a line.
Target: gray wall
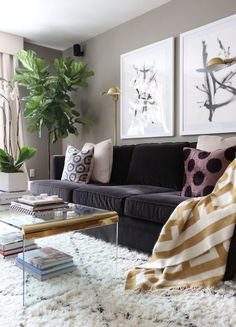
39	161
102	54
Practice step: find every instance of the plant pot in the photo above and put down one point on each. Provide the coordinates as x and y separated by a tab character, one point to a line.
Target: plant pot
13	182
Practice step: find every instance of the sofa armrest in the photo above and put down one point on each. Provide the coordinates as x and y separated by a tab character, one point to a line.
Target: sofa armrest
57	165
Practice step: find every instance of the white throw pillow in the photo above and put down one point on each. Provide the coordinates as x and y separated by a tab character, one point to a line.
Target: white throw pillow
78	164
103	157
213	142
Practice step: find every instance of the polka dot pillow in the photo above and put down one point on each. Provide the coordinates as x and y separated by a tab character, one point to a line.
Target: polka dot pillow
78	165
203	169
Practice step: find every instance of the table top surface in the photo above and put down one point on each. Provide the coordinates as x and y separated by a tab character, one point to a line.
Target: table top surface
18	219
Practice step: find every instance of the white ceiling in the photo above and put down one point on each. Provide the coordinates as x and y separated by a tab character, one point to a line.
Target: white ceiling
61	23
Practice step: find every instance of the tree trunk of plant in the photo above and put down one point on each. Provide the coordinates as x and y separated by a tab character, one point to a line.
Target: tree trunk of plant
49	153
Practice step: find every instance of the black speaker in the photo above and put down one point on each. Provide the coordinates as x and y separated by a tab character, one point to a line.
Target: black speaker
77	50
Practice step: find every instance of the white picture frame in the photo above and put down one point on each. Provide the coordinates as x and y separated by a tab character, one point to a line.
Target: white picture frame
206	105
147	92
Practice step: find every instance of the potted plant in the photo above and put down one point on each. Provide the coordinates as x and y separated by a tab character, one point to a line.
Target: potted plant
48	103
12	178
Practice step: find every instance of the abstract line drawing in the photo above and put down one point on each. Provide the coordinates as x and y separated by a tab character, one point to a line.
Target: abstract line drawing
147	91
146	108
208	79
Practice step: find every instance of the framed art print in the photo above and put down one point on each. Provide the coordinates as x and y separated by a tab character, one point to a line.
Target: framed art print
208	90
147	91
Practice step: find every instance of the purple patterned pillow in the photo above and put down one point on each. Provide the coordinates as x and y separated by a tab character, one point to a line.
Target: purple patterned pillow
203	169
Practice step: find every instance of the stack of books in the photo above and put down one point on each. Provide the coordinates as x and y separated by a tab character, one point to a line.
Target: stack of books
38	210
45	263
11	243
7	197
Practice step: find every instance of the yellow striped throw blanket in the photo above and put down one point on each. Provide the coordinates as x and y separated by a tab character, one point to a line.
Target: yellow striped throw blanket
193	246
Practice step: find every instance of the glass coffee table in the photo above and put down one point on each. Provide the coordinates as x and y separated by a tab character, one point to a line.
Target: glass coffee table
76	218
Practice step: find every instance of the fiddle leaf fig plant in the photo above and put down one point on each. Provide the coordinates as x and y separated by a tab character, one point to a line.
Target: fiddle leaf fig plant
48	103
10	165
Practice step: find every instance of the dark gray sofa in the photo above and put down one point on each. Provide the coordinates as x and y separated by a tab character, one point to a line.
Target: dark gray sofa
144	189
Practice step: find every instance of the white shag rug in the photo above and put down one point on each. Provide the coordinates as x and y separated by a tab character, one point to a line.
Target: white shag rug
93	297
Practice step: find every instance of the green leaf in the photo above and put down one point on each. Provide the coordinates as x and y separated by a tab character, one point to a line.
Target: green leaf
75	113
25	154
6	162
27	59
3	154
84	121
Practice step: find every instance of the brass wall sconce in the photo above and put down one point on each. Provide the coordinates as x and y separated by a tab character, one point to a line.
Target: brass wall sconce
114	92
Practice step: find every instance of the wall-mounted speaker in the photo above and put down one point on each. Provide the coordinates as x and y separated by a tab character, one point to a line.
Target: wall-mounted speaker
77	50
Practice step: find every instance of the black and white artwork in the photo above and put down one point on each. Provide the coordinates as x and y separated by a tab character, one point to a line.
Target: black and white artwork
208	93
147	91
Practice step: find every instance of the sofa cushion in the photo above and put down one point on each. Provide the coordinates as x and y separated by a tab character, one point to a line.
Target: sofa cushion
78	165
155	207
121	161
203	169
63	189
111	197
103	156
214	142
158	164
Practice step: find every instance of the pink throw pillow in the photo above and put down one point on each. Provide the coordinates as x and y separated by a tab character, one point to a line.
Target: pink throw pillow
203	169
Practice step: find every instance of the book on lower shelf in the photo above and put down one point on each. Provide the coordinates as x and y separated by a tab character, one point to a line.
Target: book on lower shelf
11	243
10	253
13	240
43	277
46	257
45	263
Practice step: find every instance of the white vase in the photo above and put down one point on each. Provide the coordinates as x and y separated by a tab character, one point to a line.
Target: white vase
13	182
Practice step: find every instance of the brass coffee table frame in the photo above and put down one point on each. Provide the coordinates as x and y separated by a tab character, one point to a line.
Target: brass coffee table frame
55	227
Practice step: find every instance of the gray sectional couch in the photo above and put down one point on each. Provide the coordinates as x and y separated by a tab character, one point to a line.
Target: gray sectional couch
144	189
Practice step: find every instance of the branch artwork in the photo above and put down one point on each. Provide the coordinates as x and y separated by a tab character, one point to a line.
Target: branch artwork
213	85
145	108
146	102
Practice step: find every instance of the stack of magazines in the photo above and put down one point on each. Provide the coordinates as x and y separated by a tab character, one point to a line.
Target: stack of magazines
45	263
38	210
11	243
